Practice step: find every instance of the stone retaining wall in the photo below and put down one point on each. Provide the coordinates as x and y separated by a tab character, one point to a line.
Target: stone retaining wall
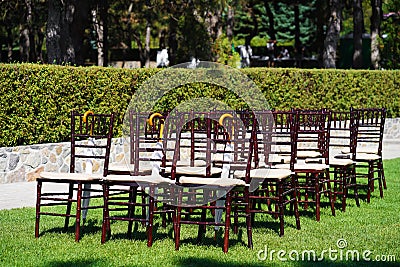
24	163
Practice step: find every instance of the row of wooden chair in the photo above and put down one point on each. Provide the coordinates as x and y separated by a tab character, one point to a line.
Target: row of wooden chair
187	165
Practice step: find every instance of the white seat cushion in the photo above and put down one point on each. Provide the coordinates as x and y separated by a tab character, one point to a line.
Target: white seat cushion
366	149
186	163
308	154
69	176
129	168
211	181
340	162
265	173
194	170
310	166
155	179
367	156
303	166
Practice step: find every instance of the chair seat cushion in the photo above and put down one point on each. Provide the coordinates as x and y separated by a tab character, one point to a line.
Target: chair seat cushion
69	176
304	166
151	179
366	149
196	163
265	173
224	182
367	156
194	170
310	166
308	154
120	167
340	162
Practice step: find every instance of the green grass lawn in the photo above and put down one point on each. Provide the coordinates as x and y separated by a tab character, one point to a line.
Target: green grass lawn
372	229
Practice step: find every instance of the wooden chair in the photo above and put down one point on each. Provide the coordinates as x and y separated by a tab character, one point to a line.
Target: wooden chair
90	140
268	185
143	190
311	136
343	136
371	123
200	194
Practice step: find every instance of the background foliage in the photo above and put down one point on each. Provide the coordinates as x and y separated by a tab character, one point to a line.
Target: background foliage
37	99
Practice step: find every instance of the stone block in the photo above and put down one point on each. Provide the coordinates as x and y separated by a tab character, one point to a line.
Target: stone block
32	176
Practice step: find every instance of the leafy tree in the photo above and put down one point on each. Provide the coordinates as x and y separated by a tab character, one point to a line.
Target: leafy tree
21	25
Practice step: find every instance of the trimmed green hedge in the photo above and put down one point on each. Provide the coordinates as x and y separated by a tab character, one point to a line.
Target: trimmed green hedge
36	100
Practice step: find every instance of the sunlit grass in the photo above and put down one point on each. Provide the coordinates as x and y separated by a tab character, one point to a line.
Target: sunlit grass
372	227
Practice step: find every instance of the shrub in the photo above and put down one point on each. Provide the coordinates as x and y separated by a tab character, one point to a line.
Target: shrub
37	99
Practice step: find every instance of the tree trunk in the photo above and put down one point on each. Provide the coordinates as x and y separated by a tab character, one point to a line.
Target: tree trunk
172	41
297	42
332	34
271	22
147	44
98	27
78	17
357	34
9	43
24	44
214	26
66	25
32	55
230	23
53	32
376	17
104	19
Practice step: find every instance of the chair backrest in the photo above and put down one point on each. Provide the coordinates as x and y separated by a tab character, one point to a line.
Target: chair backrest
220	140
343	132
282	136
311	134
146	141
371	124
91	136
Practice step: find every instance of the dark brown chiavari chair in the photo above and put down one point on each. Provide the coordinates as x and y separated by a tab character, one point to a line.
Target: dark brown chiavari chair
91	136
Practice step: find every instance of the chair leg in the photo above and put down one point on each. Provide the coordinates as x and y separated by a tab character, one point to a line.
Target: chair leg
38	201
345	189
78	212
69	205
317	198
131	208
177	227
380	184
227	221
202	227
356	190
249	217
295	203
106	221
144	214
279	190
370	181
151	216
382	173
235	220
328	187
